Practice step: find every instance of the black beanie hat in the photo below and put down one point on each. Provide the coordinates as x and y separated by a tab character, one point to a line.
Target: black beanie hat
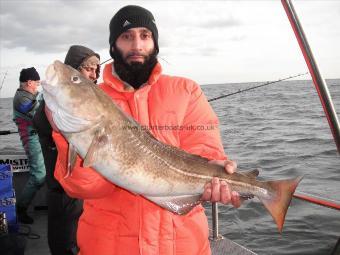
129	17
29	74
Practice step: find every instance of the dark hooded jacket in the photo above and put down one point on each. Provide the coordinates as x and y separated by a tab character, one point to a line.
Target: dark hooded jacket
77	54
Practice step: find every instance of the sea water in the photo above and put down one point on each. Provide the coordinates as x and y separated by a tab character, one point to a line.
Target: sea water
281	129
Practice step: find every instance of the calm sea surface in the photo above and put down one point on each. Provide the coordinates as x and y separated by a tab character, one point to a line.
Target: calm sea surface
280	128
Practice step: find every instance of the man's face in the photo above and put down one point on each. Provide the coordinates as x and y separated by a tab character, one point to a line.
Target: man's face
33	85
89	72
135	45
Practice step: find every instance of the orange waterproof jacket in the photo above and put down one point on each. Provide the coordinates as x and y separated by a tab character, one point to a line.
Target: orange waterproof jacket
118	222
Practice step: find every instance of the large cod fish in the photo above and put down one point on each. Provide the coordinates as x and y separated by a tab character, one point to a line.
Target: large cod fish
122	151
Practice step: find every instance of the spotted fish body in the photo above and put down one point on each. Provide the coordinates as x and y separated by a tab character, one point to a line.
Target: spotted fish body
122	151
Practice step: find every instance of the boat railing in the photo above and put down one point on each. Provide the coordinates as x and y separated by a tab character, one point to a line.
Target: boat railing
215	237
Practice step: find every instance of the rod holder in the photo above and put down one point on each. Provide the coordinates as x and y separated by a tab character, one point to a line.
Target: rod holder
215	235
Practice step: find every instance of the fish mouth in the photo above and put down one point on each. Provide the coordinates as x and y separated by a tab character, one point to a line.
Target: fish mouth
50	90
50	84
51	75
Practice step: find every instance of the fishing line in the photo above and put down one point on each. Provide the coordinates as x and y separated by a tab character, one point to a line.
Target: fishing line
255	87
157	56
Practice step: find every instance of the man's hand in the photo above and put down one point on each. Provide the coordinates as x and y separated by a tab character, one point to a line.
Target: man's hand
219	191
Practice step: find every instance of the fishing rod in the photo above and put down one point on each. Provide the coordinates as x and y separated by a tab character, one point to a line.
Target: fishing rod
105	61
3	80
317	200
7	132
255	87
319	82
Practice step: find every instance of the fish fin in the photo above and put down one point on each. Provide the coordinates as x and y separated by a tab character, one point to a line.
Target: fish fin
71	159
279	201
252	173
99	140
180	204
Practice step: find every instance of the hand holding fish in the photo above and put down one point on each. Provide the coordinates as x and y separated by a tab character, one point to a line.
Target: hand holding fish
219	191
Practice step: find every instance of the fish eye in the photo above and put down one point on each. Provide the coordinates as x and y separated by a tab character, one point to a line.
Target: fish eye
75	79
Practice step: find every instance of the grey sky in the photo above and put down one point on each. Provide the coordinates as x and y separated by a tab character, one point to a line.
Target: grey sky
207	41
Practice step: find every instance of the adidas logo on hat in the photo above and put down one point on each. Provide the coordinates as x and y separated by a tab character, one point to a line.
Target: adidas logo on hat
126	23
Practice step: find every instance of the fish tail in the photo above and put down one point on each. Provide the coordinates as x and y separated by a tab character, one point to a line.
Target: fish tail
279	201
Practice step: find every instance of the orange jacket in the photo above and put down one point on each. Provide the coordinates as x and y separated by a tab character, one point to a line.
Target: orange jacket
118	222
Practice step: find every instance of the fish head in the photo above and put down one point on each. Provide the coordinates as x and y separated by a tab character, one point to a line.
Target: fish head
70	99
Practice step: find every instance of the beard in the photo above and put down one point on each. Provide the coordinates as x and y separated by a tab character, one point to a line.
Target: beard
135	73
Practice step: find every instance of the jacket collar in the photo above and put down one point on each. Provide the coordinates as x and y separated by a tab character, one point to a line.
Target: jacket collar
111	78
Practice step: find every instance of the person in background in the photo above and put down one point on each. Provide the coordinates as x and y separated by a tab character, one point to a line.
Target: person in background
63	211
25	104
116	221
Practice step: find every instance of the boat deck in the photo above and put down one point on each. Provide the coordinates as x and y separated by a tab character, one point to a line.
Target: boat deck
39	228
226	246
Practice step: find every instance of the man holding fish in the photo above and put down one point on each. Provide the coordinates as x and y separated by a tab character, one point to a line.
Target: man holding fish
143	195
